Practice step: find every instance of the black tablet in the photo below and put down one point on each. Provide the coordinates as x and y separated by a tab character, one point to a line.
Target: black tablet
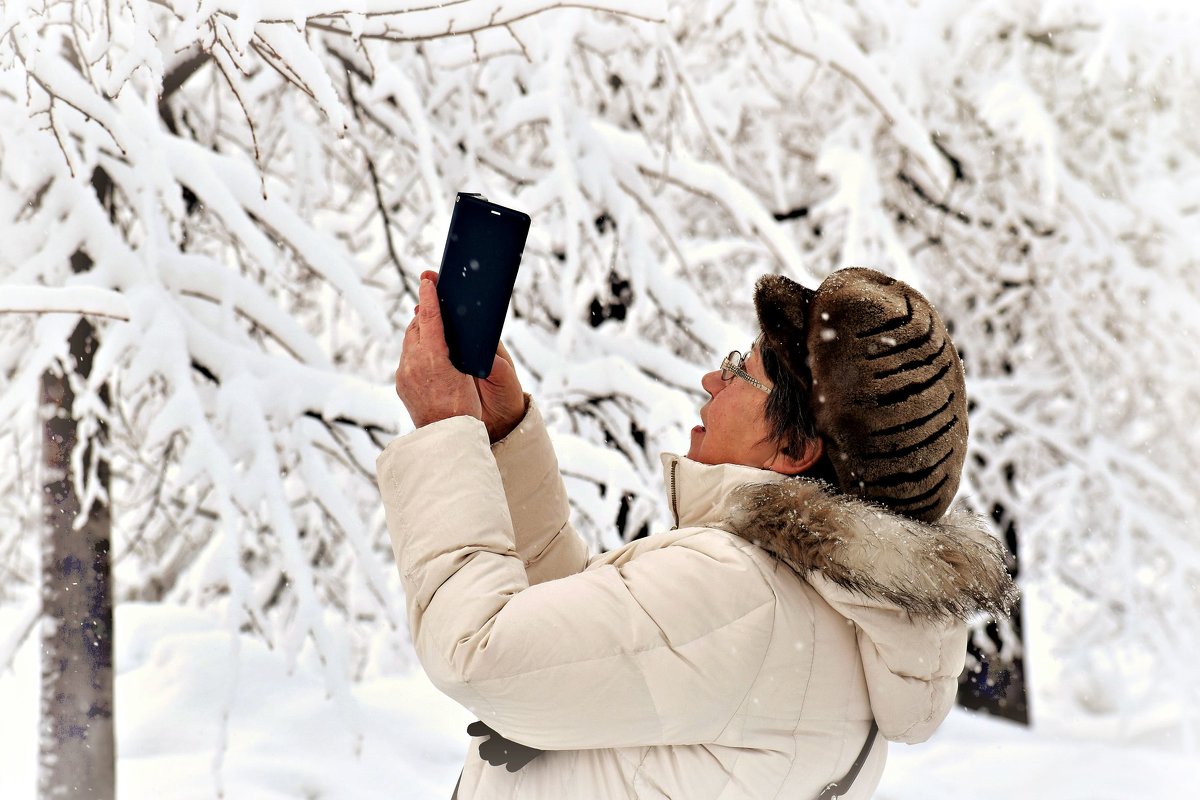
476	278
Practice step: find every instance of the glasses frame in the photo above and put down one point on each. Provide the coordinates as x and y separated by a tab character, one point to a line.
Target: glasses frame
732	366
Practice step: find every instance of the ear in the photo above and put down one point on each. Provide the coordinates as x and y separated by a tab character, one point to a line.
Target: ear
786	465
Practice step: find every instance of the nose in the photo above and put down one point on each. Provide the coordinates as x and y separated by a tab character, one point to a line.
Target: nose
712	383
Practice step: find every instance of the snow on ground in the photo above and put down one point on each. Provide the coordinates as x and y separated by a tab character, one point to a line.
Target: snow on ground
287	739
980	757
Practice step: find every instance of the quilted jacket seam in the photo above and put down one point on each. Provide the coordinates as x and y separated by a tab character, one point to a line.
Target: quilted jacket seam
546	547
625	653
931	686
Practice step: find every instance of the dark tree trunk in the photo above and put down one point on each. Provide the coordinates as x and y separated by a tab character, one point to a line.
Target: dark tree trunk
77	746
993	682
77	756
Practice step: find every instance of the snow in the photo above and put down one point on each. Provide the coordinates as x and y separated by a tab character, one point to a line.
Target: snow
385	18
232	190
973	755
705	179
250	269
287	739
815	36
72	299
1012	107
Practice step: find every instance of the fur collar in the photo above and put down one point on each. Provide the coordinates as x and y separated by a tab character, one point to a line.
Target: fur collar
950	568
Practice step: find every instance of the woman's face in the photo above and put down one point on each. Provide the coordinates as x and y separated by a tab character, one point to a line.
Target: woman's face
734	429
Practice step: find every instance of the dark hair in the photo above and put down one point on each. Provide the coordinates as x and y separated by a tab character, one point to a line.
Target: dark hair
789	416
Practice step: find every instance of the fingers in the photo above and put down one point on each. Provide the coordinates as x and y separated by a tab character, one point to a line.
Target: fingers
522	757
502	351
501	371
430	315
412	334
493	754
502	365
497	750
412	339
426	275
479	728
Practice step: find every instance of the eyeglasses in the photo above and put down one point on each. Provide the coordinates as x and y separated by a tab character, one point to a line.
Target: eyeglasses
732	365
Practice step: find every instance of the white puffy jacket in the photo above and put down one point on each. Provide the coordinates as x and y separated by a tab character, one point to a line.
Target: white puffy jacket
743	654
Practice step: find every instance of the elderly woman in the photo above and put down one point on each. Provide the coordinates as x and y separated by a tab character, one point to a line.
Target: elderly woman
811	595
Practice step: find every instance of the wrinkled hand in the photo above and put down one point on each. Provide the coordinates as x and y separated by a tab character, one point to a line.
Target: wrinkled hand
497	750
428	384
501	398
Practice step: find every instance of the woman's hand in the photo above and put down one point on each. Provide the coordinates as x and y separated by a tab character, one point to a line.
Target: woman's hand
428	384
432	389
501	397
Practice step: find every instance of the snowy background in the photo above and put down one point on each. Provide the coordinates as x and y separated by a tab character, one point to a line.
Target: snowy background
242	195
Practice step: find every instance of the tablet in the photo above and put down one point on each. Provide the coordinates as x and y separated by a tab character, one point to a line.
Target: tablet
476	278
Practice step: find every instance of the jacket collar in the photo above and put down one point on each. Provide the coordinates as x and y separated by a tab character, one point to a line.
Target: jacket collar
950	568
699	494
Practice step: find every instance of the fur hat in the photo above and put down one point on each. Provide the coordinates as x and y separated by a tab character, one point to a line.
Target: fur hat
886	386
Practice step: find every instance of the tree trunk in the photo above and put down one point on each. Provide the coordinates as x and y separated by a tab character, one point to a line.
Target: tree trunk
995	680
77	745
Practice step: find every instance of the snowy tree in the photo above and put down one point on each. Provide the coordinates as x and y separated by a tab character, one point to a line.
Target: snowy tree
78	742
282	173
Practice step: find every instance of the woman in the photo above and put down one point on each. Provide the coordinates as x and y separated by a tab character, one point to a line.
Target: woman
812	590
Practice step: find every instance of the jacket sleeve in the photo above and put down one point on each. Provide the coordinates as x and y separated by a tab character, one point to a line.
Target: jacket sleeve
546	541
634	653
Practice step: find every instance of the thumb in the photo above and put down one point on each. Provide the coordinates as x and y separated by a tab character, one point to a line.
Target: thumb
502	371
430	315
479	728
502	351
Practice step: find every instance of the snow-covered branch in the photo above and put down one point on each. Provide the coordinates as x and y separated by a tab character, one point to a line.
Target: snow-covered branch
83	300
257	186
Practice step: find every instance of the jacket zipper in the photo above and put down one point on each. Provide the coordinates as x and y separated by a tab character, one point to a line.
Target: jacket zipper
674	498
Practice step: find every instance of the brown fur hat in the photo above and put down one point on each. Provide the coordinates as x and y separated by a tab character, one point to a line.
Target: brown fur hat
886	384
